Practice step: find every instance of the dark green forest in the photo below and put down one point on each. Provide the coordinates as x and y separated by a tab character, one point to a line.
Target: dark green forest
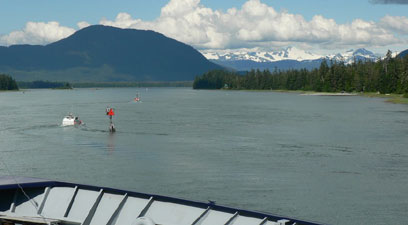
388	75
133	84
7	83
44	84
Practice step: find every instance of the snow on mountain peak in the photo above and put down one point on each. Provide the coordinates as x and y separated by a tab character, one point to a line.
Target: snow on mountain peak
290	53
299	55
362	51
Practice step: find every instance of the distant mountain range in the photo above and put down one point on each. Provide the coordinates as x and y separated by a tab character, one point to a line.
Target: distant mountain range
108	54
101	53
289	53
289	58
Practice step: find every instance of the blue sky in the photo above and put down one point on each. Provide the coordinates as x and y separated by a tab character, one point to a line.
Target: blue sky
15	14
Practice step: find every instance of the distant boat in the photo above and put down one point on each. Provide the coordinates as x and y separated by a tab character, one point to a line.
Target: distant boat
71	120
137	98
37	201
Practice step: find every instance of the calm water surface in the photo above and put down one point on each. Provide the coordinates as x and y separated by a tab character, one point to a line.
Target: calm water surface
336	160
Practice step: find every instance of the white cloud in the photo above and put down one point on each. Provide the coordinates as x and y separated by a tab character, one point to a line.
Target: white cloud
396	23
37	33
255	24
123	20
83	24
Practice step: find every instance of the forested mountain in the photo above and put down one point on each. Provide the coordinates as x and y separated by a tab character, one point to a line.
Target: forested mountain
403	53
388	75
102	53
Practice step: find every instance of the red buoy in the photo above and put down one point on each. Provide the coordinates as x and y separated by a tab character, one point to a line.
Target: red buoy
111	112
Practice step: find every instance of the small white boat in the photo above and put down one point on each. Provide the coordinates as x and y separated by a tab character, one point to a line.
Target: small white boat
71	120
34	201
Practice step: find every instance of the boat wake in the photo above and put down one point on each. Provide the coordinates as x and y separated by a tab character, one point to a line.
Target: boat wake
86	128
37	127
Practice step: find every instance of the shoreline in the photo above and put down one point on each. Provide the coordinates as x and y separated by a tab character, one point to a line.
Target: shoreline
390	98
328	94
10	90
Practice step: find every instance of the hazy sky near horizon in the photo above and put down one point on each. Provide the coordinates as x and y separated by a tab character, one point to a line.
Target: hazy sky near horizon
314	25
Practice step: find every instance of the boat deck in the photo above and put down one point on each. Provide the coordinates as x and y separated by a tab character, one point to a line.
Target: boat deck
53	202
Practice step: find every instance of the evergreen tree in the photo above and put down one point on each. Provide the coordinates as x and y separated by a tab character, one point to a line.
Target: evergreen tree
389	75
7	83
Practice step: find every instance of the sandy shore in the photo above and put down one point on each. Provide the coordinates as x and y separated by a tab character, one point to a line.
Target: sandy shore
329	94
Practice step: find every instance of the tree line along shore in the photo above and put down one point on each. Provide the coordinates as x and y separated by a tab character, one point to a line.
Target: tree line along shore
386	76
7	83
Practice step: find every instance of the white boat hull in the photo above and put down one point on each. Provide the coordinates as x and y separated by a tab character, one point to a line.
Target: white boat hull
68	122
71	120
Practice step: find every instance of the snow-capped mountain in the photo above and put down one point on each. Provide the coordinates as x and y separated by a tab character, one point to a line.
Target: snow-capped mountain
289	58
354	55
290	53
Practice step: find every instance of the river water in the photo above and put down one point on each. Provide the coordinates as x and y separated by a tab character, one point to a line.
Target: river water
335	160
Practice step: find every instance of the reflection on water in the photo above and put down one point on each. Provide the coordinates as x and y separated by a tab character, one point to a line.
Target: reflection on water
332	160
111	142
